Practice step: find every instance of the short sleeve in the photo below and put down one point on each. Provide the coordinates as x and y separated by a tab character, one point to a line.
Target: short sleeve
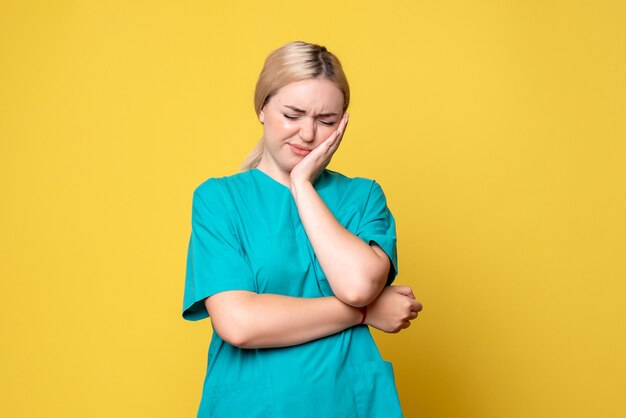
379	226
215	259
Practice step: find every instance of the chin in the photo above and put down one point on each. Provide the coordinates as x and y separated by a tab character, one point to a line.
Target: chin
290	163
287	166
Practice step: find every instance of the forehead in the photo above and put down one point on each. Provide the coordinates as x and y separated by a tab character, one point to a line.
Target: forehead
316	95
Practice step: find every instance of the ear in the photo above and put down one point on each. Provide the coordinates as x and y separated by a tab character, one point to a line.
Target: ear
262	115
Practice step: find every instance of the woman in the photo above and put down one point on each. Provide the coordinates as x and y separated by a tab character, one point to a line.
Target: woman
293	261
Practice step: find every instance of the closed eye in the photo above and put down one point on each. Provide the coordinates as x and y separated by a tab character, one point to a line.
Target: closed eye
296	117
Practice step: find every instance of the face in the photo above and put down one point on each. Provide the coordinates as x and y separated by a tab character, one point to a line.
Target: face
298	118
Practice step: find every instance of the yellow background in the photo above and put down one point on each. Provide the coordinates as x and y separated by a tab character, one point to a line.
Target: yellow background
496	129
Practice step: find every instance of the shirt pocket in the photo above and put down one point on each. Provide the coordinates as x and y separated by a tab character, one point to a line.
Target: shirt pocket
250	399
375	390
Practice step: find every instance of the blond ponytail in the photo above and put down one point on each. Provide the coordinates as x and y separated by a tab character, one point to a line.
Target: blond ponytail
254	158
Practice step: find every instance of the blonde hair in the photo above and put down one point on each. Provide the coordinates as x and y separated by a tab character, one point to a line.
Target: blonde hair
295	61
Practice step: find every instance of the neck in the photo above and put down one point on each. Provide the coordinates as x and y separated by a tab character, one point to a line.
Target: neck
275	172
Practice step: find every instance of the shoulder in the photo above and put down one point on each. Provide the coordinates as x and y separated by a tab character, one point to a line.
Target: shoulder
336	178
216	194
344	193
216	186
355	186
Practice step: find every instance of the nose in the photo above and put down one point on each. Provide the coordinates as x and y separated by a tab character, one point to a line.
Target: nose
307	130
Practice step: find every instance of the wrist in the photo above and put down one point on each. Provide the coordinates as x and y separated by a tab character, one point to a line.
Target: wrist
300	181
299	184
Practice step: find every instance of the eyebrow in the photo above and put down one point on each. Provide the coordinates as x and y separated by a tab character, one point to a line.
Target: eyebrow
297	110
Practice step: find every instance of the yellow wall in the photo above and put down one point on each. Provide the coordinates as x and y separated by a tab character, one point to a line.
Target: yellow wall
496	129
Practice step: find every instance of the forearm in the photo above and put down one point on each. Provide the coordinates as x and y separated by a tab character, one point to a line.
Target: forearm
356	272
250	320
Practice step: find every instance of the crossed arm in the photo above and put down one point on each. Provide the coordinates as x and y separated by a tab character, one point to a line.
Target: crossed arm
356	272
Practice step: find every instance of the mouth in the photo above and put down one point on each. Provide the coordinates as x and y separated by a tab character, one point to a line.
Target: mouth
299	150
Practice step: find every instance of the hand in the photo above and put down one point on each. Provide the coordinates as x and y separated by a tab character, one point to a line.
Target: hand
393	310
316	161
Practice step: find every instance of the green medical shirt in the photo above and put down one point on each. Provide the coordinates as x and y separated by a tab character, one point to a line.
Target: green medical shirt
247	235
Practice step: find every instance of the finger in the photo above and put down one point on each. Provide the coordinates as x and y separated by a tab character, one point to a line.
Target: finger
403	290
336	142
406	324
325	148
336	138
343	123
342	127
332	144
329	142
416	306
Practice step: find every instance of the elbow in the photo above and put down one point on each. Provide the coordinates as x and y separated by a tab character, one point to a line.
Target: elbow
360	297
232	336
366	285
364	291
235	329
234	333
356	299
232	317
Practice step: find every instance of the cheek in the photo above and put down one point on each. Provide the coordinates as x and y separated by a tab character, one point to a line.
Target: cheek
279	128
323	132
288	126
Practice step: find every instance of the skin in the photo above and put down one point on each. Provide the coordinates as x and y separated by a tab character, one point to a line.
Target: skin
303	124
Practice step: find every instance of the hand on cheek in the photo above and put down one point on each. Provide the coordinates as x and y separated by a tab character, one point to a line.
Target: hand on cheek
316	161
